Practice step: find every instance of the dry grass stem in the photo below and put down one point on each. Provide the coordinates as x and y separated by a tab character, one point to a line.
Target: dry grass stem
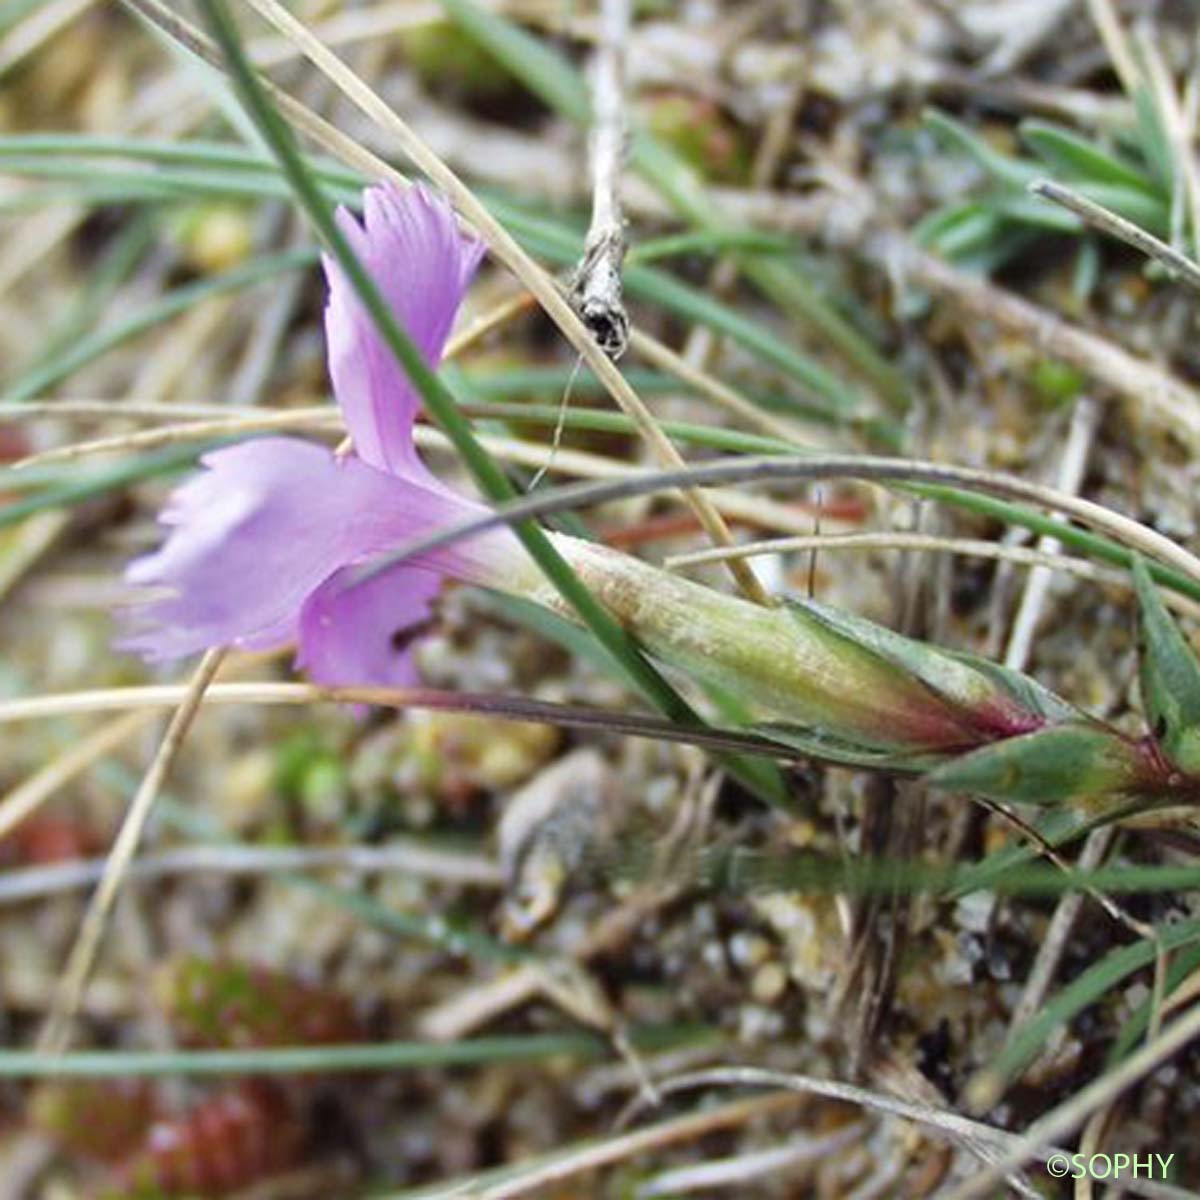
57	1031
933	543
1106	221
1071	469
865	468
1150	391
35	30
609	1151
29	795
395	857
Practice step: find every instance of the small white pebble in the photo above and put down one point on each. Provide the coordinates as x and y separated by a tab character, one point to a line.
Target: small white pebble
748	950
769	983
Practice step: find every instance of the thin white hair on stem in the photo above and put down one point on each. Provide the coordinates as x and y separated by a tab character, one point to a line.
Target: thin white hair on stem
560	425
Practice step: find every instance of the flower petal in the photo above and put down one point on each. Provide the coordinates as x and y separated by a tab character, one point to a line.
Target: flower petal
422	263
361	633
264	526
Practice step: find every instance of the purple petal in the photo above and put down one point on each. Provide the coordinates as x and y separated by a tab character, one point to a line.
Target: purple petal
361	634
422	263
265	525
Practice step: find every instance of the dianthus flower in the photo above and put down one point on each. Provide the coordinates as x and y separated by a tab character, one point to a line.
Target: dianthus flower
263	542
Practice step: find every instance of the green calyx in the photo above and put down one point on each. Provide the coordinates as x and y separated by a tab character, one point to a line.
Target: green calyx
1170	679
1069	763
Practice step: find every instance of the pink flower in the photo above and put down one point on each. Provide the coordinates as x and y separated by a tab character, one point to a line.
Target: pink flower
261	543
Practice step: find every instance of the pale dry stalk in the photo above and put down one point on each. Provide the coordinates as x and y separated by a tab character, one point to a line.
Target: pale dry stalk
596	289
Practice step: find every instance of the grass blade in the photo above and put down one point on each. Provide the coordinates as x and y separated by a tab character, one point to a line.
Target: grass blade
41	378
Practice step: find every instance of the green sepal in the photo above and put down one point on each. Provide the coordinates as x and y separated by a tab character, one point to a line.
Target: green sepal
961	679
936	670
1068	763
1170	678
1030	695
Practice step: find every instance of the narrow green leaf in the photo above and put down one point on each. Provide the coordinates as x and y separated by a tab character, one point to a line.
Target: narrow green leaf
1170	677
1027	692
78	487
1148	212
1082	160
1003	168
548	383
694	304
43	377
1054	826
826	746
293	1060
959	229
1099	979
710	241
113	268
1153	139
964	680
543	72
1034	212
1186	963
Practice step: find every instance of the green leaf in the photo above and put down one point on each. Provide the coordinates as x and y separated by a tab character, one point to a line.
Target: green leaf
977	685
1148	212
292	1060
959	229
1170	677
1004	169
1067	763
544	72
1027	692
1054	827
1186	963
1030	1039
1153	139
1081	159
77	487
